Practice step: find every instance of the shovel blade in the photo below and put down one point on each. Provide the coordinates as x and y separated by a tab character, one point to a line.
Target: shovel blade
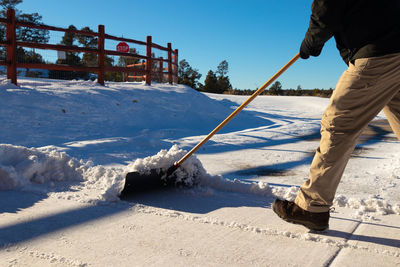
139	182
155	179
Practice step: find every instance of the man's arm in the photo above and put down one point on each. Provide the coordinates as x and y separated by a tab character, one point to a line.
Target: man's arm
324	22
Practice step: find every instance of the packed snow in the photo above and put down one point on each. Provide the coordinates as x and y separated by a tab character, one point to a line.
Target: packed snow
73	142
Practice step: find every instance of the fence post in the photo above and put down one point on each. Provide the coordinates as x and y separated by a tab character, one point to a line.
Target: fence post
144	69
176	66
170	63
100	55
160	66
149	63
11	50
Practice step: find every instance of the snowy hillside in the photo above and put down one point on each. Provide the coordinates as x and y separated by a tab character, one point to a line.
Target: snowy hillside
129	119
67	145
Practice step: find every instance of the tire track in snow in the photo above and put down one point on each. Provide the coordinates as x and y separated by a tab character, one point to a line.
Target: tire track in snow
307	237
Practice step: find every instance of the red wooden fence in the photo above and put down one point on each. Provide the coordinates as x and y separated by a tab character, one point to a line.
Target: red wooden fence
148	73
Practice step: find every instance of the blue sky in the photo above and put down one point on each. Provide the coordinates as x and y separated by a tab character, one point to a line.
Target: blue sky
256	37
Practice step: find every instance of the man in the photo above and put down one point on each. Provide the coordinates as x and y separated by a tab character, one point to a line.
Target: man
367	34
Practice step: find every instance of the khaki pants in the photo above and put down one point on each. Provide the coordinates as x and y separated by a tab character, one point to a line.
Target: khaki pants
365	88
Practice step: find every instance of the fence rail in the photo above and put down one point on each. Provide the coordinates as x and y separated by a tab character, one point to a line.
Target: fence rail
151	68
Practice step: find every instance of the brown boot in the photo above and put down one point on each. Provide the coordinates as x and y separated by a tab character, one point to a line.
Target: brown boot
290	212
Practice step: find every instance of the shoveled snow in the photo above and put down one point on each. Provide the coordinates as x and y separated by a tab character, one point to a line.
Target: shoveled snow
20	166
188	174
24	168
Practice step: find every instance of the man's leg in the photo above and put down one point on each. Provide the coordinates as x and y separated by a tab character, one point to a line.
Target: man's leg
361	93
392	112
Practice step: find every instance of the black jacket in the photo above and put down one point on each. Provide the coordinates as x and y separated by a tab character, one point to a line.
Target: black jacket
362	28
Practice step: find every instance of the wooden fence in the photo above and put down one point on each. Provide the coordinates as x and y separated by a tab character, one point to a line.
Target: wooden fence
148	70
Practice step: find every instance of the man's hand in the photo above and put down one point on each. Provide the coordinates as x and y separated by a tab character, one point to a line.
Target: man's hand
306	51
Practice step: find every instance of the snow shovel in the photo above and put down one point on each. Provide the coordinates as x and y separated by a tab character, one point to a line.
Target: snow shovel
158	178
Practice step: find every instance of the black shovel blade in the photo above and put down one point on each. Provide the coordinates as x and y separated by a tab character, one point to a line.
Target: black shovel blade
139	182
155	179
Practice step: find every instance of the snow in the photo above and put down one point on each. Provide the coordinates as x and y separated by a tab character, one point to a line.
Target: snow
188	174
66	147
21	166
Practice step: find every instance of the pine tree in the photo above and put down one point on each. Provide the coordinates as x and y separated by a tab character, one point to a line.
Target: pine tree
6	4
29	56
223	82
299	90
29	34
71	59
23	34
275	89
211	83
187	75
87	41
218	82
222	69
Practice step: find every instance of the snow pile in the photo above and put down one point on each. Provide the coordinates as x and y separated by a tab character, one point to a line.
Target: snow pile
20	166
108	182
23	168
188	174
286	193
372	204
192	172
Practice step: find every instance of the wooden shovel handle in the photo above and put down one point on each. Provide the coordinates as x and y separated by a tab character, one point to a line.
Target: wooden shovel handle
242	106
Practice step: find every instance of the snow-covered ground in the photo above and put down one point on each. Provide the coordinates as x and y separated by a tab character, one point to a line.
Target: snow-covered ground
66	146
